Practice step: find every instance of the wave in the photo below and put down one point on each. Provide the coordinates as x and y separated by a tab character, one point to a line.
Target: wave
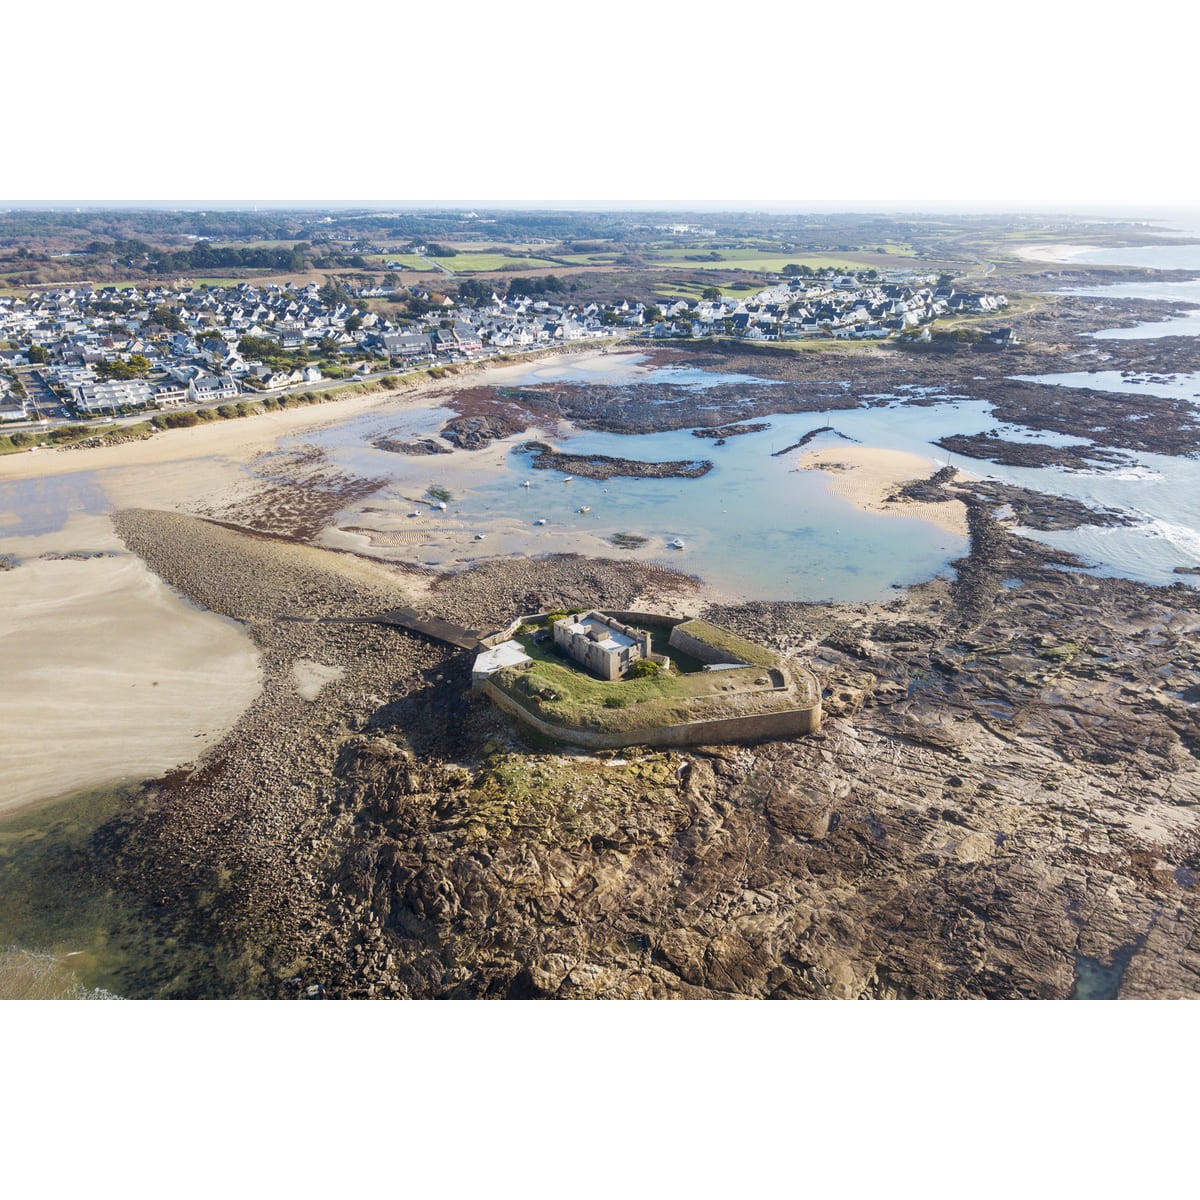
1182	537
1124	473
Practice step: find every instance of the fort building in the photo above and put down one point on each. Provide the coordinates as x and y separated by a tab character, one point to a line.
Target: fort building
569	678
605	646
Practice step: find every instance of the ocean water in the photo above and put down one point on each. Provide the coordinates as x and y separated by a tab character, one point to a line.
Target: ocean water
1135	383
1187	325
755	525
1160	258
759	527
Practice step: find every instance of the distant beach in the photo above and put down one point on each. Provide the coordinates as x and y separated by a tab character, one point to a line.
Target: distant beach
1054	252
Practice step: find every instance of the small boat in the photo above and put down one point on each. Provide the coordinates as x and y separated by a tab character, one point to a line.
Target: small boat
586	508
676	544
540	521
480	536
568	478
525	484
441	506
414	514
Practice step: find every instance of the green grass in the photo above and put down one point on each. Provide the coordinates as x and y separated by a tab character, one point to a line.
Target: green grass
462	263
755	260
408	262
895	249
587	260
695	291
713	635
667	698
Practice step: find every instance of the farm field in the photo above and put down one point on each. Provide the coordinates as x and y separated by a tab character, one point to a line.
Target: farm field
587	260
463	264
408	262
694	289
756	260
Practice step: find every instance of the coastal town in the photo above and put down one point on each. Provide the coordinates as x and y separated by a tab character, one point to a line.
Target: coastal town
75	353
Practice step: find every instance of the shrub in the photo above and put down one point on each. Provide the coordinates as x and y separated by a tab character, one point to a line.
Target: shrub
69	433
643	669
205	414
615	702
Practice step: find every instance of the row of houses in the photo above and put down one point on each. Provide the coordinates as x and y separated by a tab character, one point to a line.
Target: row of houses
184	340
189	343
845	308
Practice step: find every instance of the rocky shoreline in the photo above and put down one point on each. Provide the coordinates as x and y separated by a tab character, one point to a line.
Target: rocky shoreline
1005	790
605	466
1006	784
992	448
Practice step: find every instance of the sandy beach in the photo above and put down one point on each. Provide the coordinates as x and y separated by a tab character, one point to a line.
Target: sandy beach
236	439
866	475
108	673
1053	252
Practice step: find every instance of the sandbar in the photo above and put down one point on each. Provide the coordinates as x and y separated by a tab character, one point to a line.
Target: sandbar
866	476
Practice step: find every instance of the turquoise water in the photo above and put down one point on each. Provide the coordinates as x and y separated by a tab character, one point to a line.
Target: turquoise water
759	527
755	525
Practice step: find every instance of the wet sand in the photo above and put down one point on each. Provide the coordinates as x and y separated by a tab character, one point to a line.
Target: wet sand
866	476
108	674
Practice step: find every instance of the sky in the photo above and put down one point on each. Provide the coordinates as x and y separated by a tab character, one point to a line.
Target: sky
865	106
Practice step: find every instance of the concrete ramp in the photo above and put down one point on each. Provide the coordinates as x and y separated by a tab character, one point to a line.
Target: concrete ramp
431	626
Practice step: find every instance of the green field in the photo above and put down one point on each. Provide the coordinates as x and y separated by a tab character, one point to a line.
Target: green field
464	263
694	291
587	260
408	262
753	260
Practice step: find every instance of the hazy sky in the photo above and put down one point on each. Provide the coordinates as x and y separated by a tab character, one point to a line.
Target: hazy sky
854	105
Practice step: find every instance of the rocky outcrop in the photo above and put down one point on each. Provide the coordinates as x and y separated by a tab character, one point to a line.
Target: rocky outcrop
604	466
1007	791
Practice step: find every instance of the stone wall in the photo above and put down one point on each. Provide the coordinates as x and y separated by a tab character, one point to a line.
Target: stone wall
751	728
705	652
